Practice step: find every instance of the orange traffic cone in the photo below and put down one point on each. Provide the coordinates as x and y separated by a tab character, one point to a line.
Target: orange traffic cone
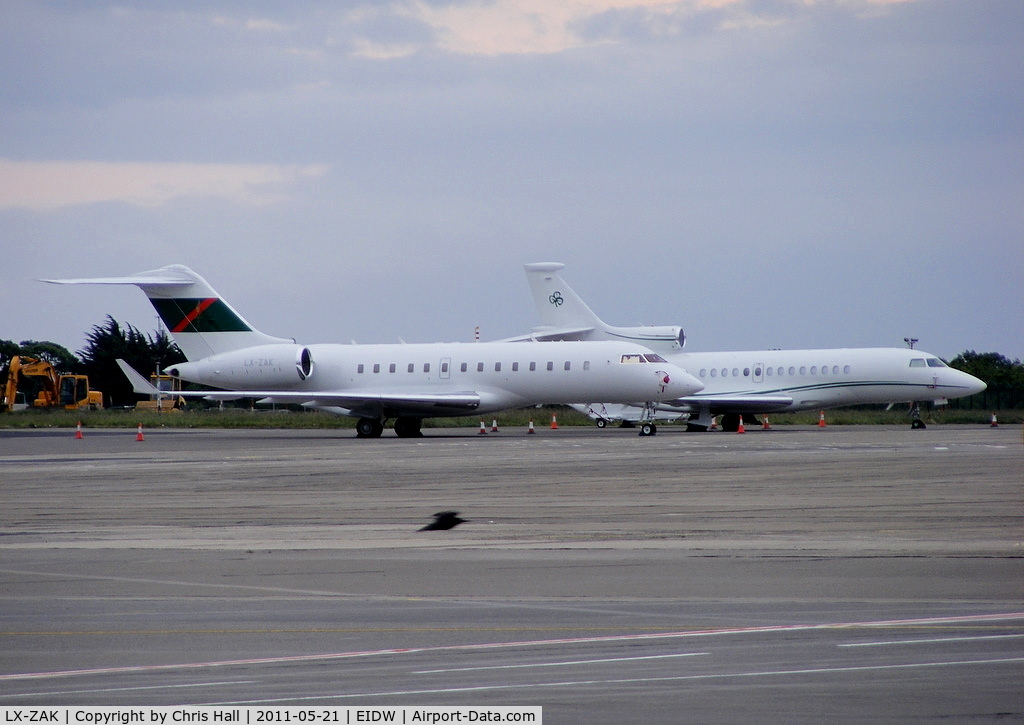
741	429
483	429
995	423
530	429
139	436
78	431
766	426
494	425
554	422
821	419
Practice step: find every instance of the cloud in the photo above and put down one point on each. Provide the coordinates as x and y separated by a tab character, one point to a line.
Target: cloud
48	185
500	27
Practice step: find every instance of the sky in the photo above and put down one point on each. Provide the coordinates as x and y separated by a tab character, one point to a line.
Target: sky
764	173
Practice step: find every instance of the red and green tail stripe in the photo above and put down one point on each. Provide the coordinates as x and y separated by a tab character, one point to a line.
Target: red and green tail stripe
198	314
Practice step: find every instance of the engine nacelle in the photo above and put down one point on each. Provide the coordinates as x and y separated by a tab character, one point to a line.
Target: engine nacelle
263	367
660	338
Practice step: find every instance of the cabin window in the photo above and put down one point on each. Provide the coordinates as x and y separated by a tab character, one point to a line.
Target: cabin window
792	370
515	367
426	367
835	369
360	368
586	365
376	367
703	372
714	373
735	372
746	372
724	372
917	362
464	367
803	369
567	365
497	367
533	366
814	369
392	368
479	367
769	372
551	365
934	362
444	368
846	369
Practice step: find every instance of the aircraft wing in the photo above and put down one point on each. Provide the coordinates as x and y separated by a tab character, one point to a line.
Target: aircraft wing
360	403
736	403
363	402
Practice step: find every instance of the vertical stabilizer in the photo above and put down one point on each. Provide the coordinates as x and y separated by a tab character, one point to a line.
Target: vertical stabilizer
199	320
558	306
565	316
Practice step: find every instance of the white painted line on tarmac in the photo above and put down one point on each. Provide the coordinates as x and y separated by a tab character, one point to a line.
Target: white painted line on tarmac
562	664
930	641
482	646
628	681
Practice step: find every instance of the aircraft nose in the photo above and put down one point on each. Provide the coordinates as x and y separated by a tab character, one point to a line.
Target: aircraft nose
679	383
973	384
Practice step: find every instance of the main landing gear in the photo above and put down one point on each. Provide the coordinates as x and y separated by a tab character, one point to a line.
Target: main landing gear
915	414
405	427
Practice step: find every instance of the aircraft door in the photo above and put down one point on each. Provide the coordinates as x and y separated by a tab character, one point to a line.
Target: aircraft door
757	373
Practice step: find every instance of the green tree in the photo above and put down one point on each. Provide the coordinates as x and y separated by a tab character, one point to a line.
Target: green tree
108	342
57	355
997	371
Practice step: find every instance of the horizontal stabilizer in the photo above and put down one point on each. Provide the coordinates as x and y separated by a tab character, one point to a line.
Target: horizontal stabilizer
545	334
166	277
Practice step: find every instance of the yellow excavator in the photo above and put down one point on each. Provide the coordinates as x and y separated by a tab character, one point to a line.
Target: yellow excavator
56	390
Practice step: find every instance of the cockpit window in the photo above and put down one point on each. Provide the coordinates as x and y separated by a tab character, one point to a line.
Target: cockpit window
638	358
917	362
934	362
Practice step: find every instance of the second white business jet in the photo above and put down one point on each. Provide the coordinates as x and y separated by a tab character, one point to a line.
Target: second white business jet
753	381
403	382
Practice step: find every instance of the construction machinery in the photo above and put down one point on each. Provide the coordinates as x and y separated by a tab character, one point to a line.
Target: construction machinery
55	390
166	401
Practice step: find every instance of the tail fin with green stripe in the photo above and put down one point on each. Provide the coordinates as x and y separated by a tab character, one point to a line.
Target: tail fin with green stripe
199	320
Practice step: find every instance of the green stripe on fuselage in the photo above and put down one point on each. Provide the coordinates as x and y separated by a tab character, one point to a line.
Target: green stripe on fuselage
179	315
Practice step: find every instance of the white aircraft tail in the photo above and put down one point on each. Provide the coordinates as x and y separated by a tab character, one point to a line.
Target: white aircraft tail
565	316
199	320
558	305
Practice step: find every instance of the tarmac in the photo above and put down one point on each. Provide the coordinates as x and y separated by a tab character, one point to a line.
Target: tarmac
800	574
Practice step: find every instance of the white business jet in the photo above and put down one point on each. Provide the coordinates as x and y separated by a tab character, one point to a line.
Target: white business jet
751	382
403	382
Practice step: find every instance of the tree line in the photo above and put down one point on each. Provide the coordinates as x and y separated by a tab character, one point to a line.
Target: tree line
105	343
148	353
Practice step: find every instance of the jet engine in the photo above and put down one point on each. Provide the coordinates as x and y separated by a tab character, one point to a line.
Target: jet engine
662	338
265	366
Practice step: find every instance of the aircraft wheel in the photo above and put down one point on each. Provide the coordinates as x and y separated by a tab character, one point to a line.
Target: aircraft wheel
369	428
648	429
602	423
408	427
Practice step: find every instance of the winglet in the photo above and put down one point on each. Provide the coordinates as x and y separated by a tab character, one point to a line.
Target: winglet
139	384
